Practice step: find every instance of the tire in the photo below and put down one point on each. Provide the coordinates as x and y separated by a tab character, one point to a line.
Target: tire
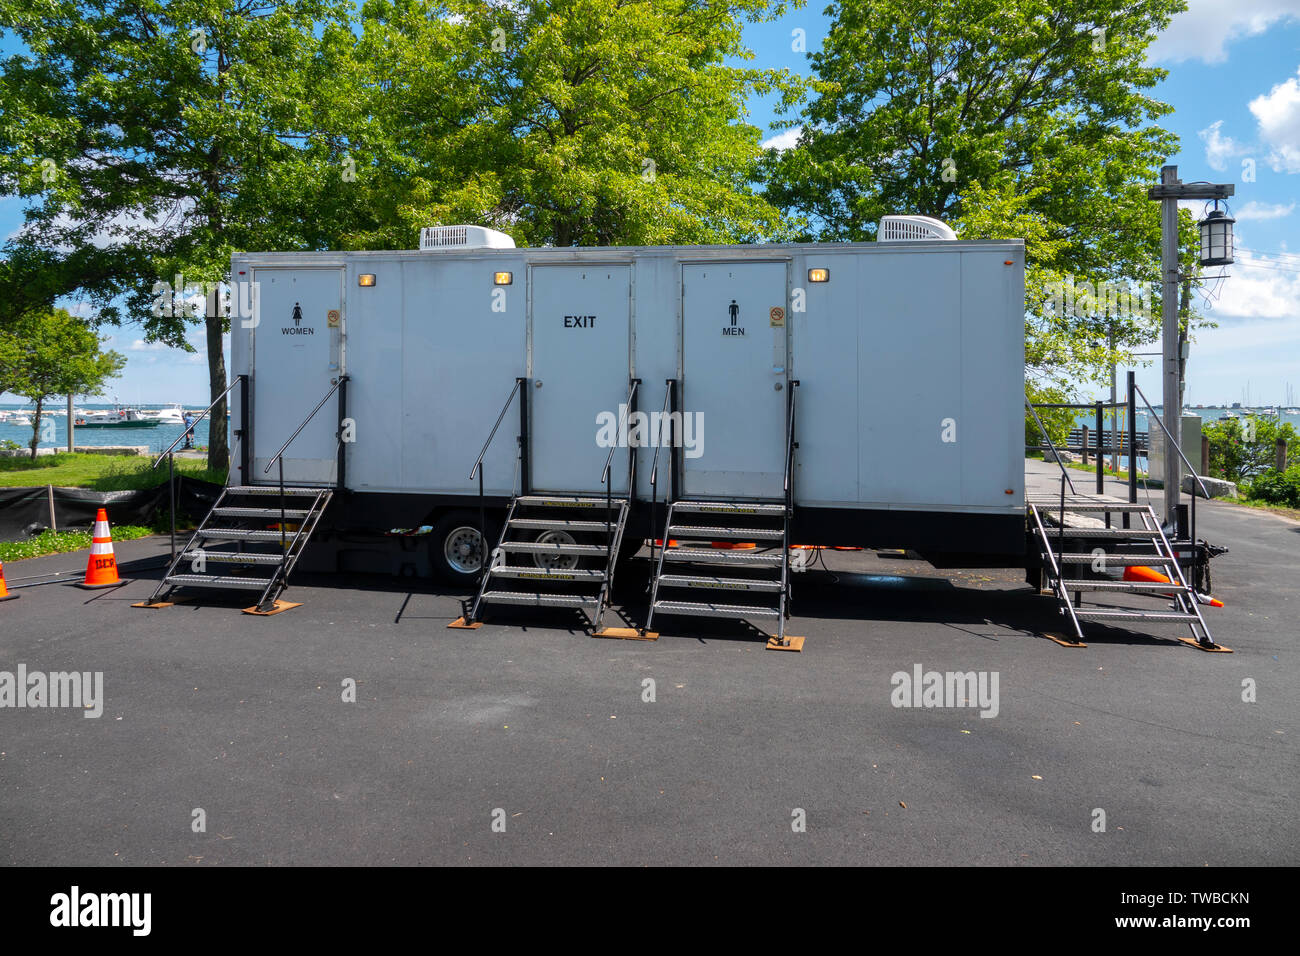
454	534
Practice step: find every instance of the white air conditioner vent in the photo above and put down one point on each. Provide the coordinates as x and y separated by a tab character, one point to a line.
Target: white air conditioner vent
912	229
433	238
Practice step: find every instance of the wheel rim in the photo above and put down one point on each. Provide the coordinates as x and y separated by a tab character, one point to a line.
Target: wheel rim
463	550
556	562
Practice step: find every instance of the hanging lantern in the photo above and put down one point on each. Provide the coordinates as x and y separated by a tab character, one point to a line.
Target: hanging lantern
1216	238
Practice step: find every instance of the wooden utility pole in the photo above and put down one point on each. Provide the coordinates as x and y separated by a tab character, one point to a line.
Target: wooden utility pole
1170	190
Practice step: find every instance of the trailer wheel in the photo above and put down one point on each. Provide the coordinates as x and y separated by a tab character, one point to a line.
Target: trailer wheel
456	548
556	562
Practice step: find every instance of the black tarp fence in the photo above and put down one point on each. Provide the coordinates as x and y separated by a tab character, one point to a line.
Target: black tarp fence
25	511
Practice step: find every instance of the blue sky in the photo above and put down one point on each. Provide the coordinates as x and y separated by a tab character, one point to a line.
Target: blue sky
1234	84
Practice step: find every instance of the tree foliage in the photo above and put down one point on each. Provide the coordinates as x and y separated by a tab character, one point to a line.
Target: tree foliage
53	353
1007	118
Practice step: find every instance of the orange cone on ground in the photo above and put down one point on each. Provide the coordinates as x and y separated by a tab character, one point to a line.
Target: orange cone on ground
1145	575
101	569
4	589
1152	576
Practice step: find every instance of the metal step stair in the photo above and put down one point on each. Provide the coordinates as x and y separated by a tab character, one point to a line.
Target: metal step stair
244	519
701	588
1144	544
573	561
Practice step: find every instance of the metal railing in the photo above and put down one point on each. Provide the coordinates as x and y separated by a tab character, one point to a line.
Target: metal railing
1169	439
522	439
664	418
241	380
790	446
1047	438
278	458
609	485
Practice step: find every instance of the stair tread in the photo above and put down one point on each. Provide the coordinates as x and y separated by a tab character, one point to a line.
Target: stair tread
1135	613
560	501
240	533
687	531
1139	533
1116	507
540	599
718	583
218	581
721	556
573	574
563	524
1120	560
272	490
548	547
711	609
729	507
238	512
1134	586
233	557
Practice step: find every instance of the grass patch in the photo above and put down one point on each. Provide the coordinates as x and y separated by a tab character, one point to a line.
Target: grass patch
57	542
99	472
1122	474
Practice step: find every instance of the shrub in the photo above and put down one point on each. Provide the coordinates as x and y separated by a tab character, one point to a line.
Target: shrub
1243	448
1277	487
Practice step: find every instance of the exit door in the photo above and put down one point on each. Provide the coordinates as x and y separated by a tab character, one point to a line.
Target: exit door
578	375
297	355
734	378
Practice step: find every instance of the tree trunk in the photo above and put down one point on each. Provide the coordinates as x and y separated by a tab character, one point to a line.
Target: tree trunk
36	426
218	445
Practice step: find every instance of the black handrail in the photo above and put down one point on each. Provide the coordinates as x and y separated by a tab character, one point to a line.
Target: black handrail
239	380
654	467
478	469
279	455
789	507
171	467
609	485
1043	431
1191	531
310	415
789	445
478	462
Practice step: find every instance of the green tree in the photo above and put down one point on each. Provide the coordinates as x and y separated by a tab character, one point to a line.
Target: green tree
1242	448
594	122
53	353
1007	118
155	137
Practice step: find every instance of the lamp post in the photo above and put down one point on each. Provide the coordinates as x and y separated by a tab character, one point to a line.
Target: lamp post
1213	230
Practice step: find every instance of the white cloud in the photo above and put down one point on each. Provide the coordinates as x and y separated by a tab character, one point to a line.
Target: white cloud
786	139
1258	287
1263	210
1278	114
1219	148
1206	27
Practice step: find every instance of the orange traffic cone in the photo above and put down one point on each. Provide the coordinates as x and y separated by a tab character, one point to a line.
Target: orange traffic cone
101	569
4	589
1152	576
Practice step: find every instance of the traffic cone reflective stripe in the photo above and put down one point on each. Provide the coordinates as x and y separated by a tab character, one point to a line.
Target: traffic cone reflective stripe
101	569
4	588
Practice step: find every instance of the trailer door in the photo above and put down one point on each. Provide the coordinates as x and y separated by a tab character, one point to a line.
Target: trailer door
578	369
297	355
734	378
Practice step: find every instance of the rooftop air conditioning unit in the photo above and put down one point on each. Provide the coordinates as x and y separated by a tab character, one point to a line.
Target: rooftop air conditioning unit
912	229
434	238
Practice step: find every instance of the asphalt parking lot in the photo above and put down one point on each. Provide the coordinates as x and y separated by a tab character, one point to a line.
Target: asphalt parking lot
529	722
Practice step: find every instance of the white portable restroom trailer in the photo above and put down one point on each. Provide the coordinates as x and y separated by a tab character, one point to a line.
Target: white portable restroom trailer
903	363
